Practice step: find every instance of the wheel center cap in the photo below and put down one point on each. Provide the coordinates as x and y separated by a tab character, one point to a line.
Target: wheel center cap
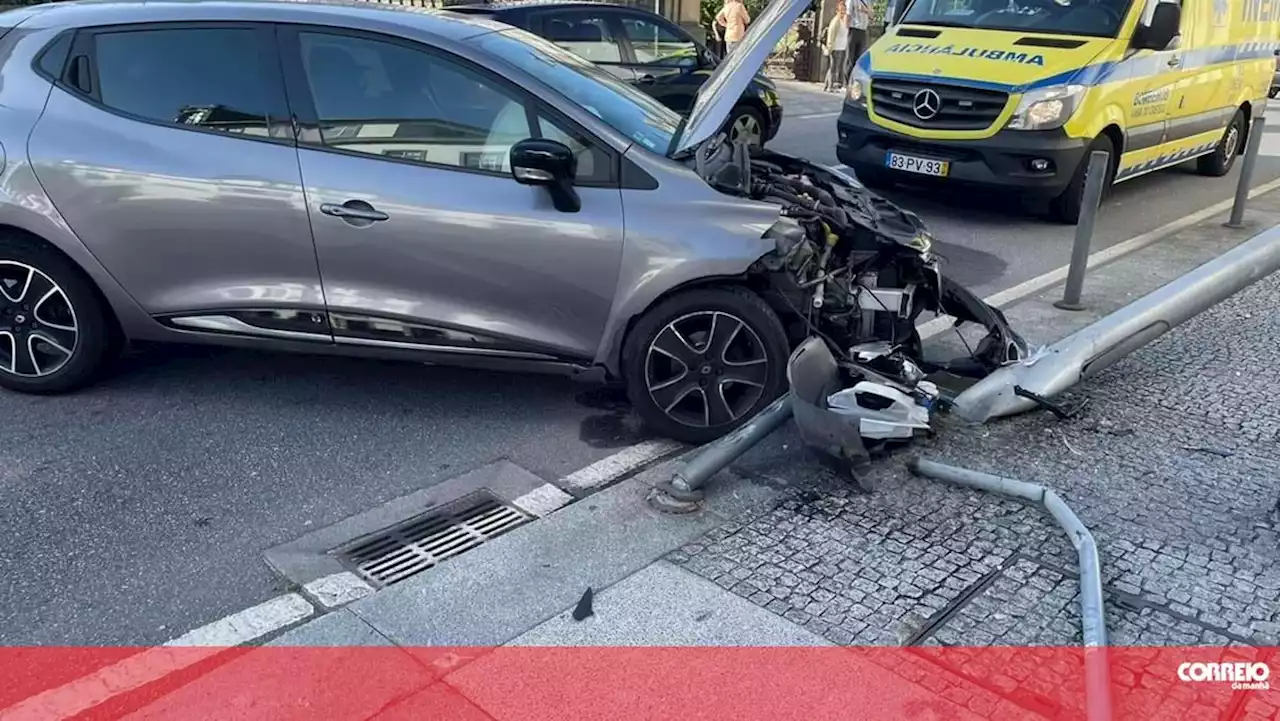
20	318
705	369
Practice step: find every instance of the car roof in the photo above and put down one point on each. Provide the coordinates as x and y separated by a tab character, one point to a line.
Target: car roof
340	13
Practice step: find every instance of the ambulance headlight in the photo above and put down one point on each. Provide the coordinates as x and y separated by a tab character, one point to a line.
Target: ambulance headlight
859	85
1046	109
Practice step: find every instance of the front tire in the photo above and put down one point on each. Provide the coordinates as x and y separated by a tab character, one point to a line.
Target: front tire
1224	157
702	363
55	336
1066	208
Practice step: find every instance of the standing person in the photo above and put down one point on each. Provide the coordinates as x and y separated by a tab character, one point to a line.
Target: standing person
859	21
835	44
734	18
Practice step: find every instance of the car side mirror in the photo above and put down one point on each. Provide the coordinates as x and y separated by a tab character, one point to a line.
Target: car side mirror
550	164
1166	21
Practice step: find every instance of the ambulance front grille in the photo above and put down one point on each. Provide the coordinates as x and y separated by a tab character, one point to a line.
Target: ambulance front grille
958	107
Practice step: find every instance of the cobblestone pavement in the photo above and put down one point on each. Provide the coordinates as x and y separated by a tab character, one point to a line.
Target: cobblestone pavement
1172	464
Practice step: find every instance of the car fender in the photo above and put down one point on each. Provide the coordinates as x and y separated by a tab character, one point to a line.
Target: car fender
682	233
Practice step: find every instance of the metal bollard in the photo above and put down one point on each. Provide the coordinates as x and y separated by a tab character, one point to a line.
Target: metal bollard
1099	161
1246	173
682	493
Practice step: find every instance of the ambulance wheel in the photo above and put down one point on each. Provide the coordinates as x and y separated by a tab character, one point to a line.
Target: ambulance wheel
1224	158
1066	207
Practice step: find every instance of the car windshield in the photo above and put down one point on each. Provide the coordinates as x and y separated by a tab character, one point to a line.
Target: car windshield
626	109
1094	18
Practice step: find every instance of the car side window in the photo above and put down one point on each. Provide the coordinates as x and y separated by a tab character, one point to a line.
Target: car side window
655	44
584	34
214	78
396	101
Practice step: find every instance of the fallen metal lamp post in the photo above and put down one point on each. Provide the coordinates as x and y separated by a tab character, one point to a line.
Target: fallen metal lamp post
1093	618
1013	388
683	492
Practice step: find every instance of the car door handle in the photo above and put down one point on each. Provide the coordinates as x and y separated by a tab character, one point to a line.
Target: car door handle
357	210
1175	62
647	79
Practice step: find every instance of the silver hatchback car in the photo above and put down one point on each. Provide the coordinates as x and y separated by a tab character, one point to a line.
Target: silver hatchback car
355	179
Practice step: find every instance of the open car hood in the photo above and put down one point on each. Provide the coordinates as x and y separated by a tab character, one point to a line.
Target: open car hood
725	86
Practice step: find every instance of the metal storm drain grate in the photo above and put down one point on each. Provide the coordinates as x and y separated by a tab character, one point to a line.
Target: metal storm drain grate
424	541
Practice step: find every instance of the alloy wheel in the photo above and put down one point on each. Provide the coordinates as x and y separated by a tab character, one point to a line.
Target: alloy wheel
1232	143
746	129
706	369
38	328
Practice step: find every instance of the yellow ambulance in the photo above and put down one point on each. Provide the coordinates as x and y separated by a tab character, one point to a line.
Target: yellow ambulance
1014	94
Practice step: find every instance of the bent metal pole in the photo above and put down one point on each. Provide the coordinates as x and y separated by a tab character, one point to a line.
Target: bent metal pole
1093	619
1095	348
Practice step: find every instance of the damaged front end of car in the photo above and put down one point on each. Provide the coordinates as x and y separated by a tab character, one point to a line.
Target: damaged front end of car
857	272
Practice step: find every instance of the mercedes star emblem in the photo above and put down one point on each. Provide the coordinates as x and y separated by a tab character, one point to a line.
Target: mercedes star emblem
927	103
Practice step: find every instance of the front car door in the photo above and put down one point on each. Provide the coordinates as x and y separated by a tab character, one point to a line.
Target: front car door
1145	88
667	63
185	183
1201	106
424	239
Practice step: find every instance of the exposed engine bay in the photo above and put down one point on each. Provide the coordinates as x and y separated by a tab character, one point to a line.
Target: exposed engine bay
860	271
858	268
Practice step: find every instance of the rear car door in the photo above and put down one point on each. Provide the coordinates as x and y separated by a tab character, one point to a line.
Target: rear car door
586	33
425	241
168	149
667	63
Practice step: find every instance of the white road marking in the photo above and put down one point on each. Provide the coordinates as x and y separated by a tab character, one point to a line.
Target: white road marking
624	461
337	589
812	116
154	664
543	500
249	624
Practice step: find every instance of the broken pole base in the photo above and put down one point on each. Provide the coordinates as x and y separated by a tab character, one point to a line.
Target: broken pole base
664	502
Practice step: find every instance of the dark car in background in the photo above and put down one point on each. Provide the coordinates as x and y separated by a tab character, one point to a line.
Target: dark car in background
644	49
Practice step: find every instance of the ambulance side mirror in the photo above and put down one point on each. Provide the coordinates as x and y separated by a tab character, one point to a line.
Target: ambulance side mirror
1166	22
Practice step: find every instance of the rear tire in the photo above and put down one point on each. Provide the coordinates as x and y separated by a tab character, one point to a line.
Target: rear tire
55	335
1224	157
1066	208
703	362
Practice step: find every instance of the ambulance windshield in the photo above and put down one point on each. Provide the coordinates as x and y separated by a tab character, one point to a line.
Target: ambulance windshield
1092	18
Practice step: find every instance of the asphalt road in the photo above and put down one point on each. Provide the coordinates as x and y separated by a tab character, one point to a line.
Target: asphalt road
992	242
137	510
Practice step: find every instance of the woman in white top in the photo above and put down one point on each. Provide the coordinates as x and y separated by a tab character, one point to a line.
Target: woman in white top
835	44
